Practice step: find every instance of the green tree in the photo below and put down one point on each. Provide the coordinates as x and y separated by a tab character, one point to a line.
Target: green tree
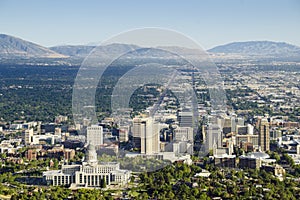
103	183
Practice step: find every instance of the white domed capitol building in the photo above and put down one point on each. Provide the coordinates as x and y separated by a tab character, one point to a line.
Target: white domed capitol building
90	173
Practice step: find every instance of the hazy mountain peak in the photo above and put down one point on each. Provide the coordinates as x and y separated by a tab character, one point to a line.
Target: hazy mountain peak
257	48
15	47
84	50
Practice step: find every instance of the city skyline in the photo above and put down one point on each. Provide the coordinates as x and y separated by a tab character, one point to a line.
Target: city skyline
179	100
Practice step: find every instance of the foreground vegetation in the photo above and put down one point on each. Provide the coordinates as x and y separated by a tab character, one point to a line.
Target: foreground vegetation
176	181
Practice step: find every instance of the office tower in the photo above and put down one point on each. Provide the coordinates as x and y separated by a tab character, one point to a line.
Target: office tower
184	134
227	125
250	129
231	123
136	132
28	136
213	135
94	135
264	135
185	119
149	136
236	121
123	133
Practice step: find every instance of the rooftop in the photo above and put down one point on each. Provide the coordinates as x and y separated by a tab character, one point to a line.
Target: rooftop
257	155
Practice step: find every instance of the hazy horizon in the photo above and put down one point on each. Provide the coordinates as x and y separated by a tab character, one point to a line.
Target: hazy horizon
99	43
210	23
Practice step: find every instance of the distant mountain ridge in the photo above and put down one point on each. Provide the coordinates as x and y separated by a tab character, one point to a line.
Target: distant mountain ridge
12	47
73	50
15	47
257	48
84	50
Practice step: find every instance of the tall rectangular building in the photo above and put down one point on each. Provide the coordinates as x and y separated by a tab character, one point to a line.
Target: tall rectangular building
136	132
28	134
213	136
149	136
184	134
123	133
185	119
227	125
264	135
94	135
236	121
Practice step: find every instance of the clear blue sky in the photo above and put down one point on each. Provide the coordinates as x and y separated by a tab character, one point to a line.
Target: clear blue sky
210	22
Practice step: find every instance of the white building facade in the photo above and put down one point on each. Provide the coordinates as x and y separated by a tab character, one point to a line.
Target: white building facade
88	174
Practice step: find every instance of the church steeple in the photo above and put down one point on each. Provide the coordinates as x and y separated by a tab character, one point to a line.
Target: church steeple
215	147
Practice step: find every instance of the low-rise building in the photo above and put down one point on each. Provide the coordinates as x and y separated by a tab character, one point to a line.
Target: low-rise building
31	154
254	160
225	160
277	170
204	173
69	154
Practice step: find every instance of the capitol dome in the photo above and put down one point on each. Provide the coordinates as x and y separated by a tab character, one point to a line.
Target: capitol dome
258	155
91	154
91	147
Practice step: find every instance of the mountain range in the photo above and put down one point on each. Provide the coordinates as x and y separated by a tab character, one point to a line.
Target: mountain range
12	47
257	48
